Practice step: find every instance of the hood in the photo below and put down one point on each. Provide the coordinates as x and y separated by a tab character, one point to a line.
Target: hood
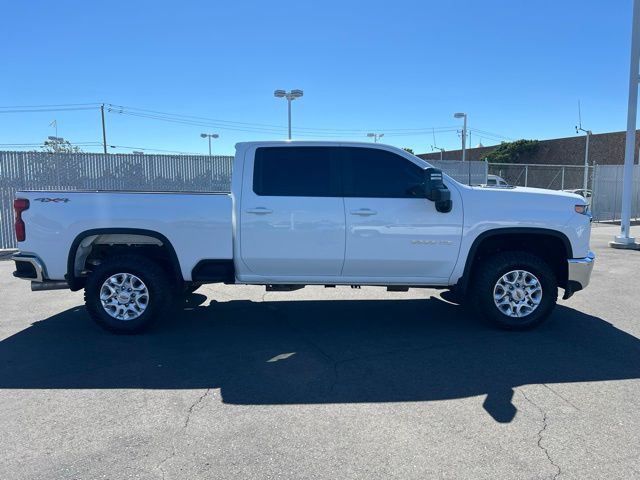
508	192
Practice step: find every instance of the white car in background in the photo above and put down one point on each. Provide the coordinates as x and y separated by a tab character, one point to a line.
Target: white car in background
584	193
496	181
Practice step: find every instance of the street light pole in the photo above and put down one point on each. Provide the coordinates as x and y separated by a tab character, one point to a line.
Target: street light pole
289	115
209	136
624	240
375	136
290	96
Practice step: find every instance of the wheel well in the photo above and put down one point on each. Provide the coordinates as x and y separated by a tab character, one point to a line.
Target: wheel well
92	248
553	248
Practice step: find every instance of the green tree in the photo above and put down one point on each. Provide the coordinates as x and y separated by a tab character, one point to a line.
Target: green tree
410	150
512	152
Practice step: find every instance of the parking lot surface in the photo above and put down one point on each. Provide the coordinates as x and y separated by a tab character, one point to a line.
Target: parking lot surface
324	383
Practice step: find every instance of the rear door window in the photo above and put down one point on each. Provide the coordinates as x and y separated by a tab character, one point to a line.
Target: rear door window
295	172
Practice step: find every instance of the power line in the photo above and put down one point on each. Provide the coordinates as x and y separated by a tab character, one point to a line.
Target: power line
52	105
41	144
306	132
231	124
154	149
34	110
248	127
485	133
214	122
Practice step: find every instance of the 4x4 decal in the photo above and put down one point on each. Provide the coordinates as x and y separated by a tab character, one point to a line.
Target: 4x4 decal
54	200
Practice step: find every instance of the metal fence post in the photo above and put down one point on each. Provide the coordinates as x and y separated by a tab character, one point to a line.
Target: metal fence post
526	175
562	180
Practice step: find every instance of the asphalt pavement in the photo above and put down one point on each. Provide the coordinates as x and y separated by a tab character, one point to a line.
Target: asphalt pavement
325	384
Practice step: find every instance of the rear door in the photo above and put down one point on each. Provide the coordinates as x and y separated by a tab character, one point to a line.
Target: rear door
292	213
391	233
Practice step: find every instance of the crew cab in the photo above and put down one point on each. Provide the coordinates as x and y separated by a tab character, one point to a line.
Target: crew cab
309	213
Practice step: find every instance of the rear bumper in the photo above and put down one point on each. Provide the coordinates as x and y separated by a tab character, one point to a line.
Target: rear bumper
580	271
29	267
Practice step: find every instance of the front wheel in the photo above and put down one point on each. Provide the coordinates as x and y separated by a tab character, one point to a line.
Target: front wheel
127	293
515	290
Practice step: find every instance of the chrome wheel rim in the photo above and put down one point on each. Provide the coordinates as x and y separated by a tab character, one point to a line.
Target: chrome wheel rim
124	296
517	293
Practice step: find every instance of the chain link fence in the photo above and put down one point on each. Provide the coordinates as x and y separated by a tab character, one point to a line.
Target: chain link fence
96	171
469	173
553	177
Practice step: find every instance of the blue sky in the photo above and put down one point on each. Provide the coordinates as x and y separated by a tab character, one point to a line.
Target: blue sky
517	68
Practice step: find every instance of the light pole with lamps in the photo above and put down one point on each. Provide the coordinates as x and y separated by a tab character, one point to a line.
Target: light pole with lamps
290	96
375	136
209	136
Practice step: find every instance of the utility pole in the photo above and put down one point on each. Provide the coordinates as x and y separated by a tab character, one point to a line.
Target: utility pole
104	131
625	240
375	136
464	134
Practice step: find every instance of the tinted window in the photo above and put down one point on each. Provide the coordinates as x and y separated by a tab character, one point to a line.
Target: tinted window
491	181
295	172
370	172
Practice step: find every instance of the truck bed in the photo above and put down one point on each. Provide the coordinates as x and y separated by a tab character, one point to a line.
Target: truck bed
198	225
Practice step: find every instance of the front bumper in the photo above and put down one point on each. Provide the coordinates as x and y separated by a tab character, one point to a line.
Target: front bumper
580	271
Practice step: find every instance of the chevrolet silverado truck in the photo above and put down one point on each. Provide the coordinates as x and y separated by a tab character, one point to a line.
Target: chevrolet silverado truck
309	213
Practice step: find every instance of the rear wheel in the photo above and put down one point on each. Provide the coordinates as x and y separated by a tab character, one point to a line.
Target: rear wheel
126	294
515	290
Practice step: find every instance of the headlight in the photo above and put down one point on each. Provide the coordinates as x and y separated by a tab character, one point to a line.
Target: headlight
582	209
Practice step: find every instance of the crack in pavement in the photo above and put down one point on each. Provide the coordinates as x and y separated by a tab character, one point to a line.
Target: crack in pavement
185	424
561	397
541	435
194	405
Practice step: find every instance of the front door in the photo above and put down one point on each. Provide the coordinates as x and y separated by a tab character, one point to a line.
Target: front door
292	213
392	234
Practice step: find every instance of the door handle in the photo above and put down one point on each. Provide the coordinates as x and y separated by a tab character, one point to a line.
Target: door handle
365	212
259	210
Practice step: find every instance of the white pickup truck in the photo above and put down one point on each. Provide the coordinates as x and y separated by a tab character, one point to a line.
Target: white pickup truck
309	213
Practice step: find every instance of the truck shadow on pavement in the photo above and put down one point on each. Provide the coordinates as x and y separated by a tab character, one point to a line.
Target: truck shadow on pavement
312	352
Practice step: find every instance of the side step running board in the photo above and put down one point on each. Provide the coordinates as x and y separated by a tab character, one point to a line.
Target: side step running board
49	285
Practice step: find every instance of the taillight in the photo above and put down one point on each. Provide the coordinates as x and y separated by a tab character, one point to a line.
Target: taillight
20	205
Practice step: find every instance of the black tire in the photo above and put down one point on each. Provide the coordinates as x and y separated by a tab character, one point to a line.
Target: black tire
491	270
155	280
